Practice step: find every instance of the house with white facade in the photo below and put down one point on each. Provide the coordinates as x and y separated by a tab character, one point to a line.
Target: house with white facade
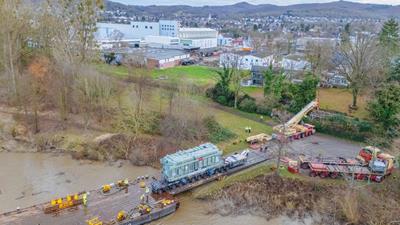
295	65
245	60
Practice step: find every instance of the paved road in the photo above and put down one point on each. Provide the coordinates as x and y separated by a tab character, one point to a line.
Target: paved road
324	145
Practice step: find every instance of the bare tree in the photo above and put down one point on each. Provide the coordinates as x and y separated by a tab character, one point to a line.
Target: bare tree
140	75
357	61
94	92
237	77
15	29
258	40
319	54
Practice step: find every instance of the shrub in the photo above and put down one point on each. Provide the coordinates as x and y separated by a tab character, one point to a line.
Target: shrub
344	127
248	105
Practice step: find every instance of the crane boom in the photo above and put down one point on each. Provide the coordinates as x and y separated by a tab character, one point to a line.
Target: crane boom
299	116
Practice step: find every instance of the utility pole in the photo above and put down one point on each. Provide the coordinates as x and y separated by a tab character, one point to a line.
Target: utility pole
281	141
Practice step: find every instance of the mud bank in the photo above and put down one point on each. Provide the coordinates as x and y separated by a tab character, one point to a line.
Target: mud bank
273	196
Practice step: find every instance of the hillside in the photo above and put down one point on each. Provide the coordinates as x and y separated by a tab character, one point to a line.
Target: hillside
332	9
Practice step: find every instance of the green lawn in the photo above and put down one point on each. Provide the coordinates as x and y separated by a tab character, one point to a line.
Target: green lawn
339	100
330	99
248	174
237	125
199	75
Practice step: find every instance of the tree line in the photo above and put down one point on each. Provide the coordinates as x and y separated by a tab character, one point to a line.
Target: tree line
45	55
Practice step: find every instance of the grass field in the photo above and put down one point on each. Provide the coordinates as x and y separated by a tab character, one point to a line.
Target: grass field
199	75
248	174
255	92
330	99
340	99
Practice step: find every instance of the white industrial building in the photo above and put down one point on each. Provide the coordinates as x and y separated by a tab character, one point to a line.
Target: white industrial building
164	33
137	30
169	28
198	37
162	41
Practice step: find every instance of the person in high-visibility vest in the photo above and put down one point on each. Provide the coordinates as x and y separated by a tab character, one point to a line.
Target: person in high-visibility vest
147	194
84	198
142	198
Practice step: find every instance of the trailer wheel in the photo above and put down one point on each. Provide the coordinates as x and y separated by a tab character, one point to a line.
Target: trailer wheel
304	166
323	175
313	174
334	175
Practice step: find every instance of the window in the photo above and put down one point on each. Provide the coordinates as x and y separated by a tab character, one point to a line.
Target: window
145	27
151	27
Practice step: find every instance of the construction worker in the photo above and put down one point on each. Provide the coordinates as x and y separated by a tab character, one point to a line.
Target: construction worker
147	194
84	199
126	183
142	199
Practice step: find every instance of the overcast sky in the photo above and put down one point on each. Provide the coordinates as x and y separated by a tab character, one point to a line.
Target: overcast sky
226	2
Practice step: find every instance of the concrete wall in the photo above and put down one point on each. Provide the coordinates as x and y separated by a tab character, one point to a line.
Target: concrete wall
163	40
143	29
203	43
169	28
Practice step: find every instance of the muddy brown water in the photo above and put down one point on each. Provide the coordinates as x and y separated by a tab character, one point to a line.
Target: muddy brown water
31	178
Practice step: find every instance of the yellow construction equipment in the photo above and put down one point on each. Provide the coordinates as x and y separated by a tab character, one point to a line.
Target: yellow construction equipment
106	188
144	209
63	203
166	202
259	138
123	183
293	128
94	221
121	216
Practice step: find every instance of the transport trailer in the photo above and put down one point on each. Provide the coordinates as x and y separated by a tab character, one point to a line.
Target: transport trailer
188	169
376	172
305	161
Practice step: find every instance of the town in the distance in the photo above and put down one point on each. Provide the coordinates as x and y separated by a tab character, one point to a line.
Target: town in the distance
128	113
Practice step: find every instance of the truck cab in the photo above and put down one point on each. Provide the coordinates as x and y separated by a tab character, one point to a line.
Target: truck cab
378	158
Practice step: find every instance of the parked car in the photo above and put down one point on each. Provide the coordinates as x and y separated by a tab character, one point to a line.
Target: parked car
188	62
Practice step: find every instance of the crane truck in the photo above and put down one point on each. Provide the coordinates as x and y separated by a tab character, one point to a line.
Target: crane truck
292	129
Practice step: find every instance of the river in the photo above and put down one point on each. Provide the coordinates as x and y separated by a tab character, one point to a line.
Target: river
31	178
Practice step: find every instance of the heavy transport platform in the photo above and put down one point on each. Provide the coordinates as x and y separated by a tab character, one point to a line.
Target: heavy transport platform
106	207
254	158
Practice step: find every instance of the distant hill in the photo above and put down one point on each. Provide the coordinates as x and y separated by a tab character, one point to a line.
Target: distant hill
332	9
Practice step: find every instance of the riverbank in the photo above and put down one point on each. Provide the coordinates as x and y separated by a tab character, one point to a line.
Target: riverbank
33	178
295	196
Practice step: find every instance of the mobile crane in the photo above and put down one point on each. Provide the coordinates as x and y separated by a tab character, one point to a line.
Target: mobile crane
292	129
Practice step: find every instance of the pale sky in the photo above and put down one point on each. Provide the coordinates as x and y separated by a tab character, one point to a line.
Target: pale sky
227	2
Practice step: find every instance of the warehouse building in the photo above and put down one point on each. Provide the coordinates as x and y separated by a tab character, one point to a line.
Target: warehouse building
165	58
202	38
